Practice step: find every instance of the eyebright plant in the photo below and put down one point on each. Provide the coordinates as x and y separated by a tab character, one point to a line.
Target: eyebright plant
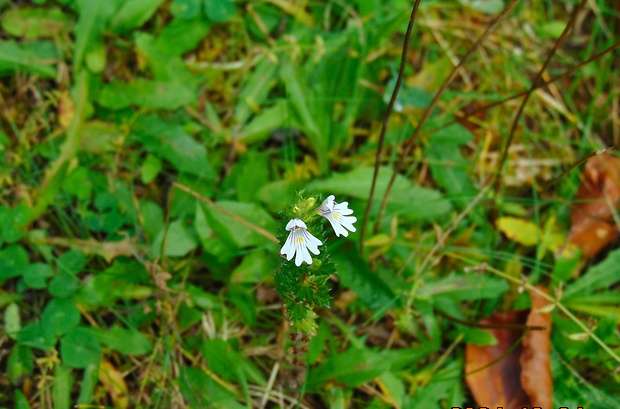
303	284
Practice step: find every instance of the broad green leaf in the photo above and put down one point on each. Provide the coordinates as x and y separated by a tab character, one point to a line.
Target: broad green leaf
21	402
603	275
12	320
13	262
63	285
262	126
181	36
132	14
256	267
355	274
10	231
36	275
232	231
71	262
33	58
150	169
551	29
485	6
78	183
61	389
219	11
146	94
80	348
185	9
464	287
352	368
413	202
20	364
60	316
33	335
203	391
32	23
125	341
180	240
170	142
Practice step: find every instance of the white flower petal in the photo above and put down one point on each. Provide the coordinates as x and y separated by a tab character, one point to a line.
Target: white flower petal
298	242
338	216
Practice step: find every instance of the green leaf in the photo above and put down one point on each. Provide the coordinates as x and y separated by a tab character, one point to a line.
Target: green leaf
20	364
12	320
10	231
352	368
219	11
89	382
202	391
36	275
150	169
180	240
94	16
80	348
236	233
13	262
463	287
413	202
31	23
603	275
181	36
299	98
170	142
60	316
262	126
355	274
255	267
33	335
63	285
133	14
34	58
78	183
21	402
125	341
185	8
146	94
71	262
61	389
255	90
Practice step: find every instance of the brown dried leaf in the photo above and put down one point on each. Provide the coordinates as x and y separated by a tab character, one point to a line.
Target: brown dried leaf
112	379
592	226
513	374
535	363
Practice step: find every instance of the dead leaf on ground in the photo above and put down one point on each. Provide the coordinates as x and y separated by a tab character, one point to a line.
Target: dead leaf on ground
112	380
592	224
109	250
513	374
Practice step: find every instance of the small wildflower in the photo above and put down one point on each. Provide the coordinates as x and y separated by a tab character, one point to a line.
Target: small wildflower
299	241
338	215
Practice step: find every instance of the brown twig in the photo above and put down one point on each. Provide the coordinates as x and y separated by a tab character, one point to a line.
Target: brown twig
408	145
386	118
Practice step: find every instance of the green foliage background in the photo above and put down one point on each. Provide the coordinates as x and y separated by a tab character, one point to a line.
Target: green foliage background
148	146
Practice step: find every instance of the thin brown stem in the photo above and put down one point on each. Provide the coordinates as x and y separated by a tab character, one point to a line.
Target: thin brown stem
386	118
535	84
408	145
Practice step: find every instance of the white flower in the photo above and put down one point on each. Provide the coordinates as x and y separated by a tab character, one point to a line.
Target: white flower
338	215
300	241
